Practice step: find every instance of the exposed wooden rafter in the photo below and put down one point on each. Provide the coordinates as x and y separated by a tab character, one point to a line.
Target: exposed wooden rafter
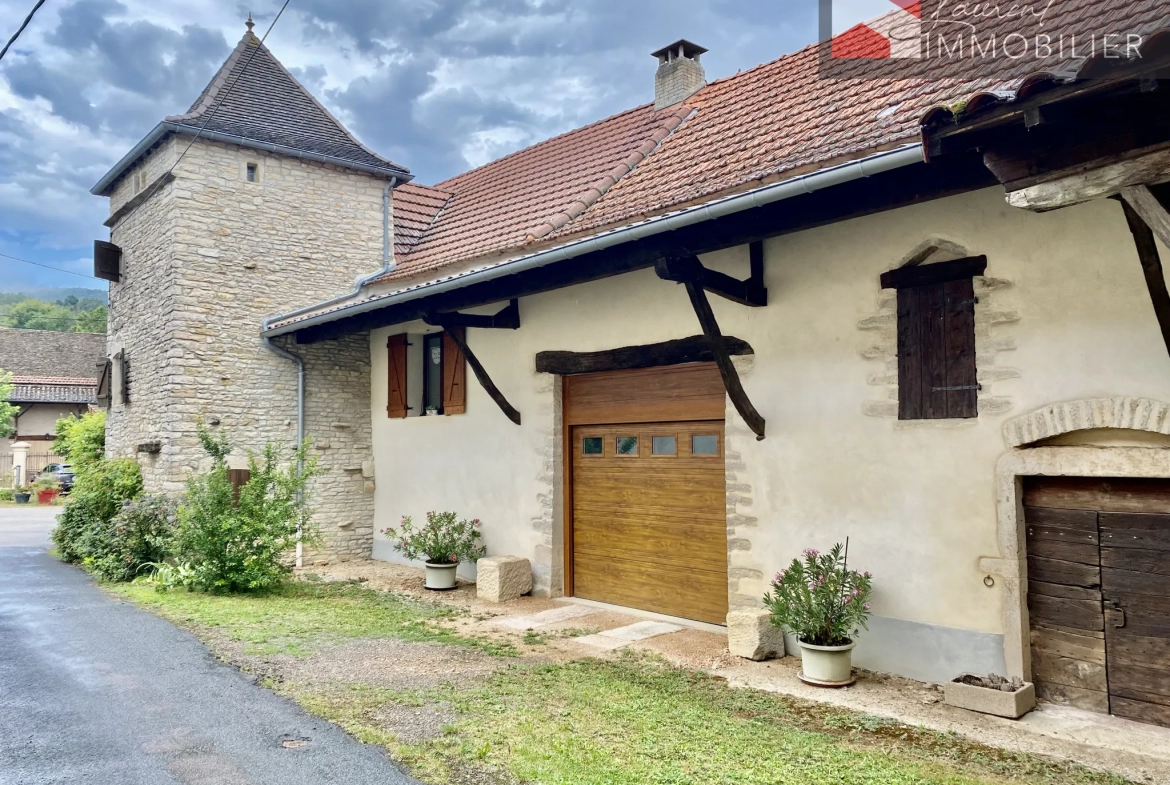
506	319
696	349
751	292
690	272
1151	262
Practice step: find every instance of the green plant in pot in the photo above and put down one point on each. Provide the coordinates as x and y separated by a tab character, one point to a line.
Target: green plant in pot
21	494
824	604
46	489
443	543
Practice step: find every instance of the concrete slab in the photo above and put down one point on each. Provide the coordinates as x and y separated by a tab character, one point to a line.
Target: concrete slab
544	618
623	636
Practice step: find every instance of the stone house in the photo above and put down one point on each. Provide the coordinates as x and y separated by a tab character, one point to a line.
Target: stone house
54	374
940	328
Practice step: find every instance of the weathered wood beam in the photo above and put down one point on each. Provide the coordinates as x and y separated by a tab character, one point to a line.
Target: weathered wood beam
940	272
1151	261
482	374
731	381
688	269
1152	211
506	319
696	349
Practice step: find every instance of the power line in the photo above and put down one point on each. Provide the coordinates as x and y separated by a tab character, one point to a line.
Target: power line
49	267
16	35
230	87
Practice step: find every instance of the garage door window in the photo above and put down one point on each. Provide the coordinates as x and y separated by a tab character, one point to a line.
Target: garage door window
627	445
592	445
705	444
665	445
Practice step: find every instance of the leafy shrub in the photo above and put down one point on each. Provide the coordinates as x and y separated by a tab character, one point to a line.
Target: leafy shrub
99	491
444	539
225	545
82	440
136	539
821	600
6	495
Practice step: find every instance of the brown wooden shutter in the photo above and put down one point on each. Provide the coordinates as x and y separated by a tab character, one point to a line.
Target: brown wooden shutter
396	364
936	352
454	376
125	374
103	387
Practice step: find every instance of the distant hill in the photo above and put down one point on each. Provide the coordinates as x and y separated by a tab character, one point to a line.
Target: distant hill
55	293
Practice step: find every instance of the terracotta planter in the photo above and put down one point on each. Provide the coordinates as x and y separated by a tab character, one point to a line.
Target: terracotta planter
22	498
47	496
826	666
441	577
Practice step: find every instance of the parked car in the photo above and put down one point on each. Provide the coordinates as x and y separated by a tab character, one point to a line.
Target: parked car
61	472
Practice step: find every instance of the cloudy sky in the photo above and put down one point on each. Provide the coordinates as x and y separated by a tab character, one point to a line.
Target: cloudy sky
437	85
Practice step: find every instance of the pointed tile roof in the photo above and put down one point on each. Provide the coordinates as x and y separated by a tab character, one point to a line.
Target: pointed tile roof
254	101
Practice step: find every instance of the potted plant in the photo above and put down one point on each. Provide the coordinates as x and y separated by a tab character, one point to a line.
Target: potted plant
444	542
432	411
47	489
21	495
823	603
992	694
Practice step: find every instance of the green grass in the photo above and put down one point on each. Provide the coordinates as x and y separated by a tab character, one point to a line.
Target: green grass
639	722
298	617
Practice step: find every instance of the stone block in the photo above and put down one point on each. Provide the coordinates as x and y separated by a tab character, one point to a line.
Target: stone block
502	578
751	635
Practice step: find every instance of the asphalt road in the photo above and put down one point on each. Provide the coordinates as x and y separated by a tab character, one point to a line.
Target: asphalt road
93	690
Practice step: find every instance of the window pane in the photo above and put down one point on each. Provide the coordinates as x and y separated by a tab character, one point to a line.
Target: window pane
705	445
627	445
433	372
665	445
591	445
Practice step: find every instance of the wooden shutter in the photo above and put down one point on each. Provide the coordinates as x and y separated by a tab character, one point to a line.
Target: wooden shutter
103	387
396	390
936	352
454	376
107	261
125	374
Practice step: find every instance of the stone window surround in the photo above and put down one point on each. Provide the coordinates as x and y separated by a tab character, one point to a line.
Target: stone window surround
1009	569
989	344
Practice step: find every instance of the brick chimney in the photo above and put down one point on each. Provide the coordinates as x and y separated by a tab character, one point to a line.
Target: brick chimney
680	75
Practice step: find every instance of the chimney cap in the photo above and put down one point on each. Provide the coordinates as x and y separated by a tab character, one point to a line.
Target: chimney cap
689	49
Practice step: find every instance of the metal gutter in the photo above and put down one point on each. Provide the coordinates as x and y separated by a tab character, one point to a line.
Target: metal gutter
166	127
796	186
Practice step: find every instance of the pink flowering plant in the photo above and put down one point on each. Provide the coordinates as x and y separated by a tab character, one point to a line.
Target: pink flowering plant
443	540
819	599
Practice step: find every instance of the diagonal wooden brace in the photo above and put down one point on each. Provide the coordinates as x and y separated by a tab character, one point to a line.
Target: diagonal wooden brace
481	374
1151	260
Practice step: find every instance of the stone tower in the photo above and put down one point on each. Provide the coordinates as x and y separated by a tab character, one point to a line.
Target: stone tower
255	202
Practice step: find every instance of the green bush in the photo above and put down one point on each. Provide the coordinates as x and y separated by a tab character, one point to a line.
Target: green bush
99	491
6	495
82	440
136	539
227	546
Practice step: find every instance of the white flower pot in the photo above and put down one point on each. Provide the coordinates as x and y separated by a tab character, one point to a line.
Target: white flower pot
441	577
826	666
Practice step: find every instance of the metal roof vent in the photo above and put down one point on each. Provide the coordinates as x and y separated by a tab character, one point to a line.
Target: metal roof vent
680	74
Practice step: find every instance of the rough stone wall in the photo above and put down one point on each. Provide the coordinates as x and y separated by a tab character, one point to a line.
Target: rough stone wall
207	260
549	561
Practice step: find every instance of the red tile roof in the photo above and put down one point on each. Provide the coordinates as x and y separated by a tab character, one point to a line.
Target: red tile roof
771	123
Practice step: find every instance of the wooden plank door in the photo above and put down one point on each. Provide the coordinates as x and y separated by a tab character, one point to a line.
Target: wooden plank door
1065	607
649	522
1135	582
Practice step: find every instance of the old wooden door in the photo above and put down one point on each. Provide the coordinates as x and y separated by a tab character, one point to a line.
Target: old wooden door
648	525
1099	594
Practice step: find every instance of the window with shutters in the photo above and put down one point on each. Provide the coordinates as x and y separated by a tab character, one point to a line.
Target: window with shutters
427	376
937	378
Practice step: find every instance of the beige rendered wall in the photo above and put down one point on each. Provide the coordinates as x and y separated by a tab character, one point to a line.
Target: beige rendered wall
1063	315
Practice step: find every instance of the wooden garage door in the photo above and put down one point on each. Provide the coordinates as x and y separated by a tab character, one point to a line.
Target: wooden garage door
1099	594
648	506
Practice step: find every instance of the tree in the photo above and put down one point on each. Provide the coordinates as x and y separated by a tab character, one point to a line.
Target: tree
7	410
82	440
92	321
39	315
